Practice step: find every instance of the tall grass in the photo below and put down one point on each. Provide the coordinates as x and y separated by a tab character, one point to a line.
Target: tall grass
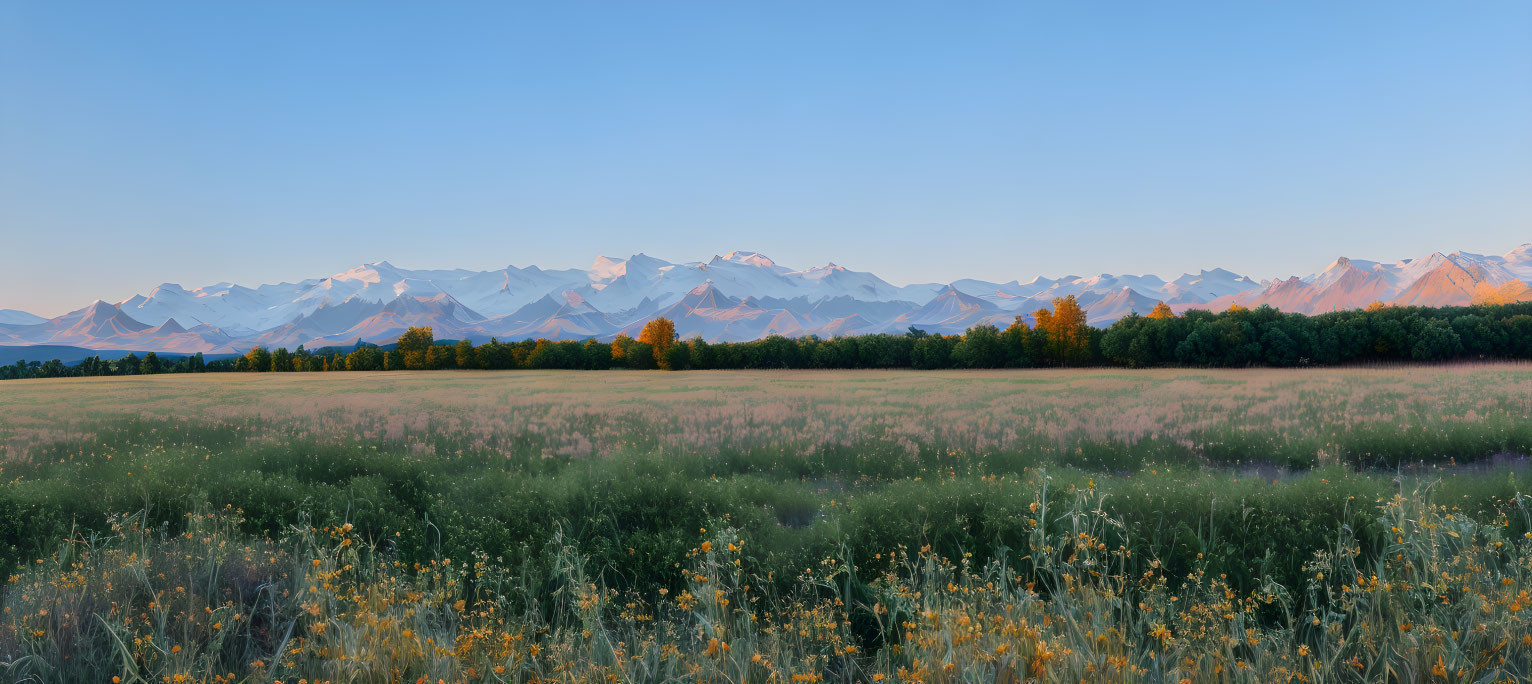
1445	600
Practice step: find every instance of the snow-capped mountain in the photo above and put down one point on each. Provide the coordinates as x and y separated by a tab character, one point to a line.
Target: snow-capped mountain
740	295
1456	279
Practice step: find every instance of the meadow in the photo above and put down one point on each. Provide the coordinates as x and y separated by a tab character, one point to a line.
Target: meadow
1362	524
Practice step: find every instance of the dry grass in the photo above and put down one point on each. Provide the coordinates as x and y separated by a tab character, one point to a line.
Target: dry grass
1297	417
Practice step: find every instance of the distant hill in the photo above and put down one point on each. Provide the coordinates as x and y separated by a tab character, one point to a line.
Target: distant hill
45	352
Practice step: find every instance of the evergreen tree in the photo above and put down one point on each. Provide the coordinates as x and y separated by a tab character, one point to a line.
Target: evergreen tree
677	357
980	347
465	355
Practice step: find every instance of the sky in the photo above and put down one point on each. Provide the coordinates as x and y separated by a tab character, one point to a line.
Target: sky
197	142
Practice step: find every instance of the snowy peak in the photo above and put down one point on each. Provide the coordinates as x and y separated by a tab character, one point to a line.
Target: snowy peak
749	259
1518	262
1207	286
607	268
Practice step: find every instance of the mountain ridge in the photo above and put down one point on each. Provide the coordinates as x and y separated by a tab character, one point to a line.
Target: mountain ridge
736	296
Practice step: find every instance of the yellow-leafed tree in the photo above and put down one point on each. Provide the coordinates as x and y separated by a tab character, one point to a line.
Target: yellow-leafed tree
1161	310
414	346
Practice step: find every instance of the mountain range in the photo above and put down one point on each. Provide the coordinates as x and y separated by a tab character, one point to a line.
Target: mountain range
736	296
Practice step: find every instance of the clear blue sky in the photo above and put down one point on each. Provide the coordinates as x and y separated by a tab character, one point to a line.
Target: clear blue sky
195	142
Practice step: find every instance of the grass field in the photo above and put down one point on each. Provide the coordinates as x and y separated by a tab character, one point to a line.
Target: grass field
1242	525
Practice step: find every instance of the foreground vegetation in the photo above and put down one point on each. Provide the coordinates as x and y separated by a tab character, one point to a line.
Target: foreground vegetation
327	526
1443	599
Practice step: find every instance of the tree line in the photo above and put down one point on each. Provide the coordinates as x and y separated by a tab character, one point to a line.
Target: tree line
95	366
1059	337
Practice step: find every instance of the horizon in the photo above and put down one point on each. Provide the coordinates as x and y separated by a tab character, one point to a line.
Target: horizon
1167	277
180	142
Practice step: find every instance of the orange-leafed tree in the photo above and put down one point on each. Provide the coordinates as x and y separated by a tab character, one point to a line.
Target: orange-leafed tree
620	346
1376	305
1067	331
659	334
1161	310
1044	320
1235	308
